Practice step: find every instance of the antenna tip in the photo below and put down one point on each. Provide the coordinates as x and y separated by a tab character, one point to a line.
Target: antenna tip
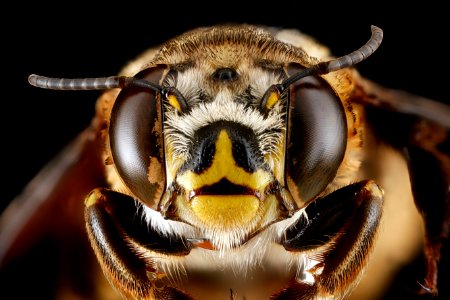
374	28
32	79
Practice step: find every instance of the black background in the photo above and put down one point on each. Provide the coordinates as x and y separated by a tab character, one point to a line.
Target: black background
79	41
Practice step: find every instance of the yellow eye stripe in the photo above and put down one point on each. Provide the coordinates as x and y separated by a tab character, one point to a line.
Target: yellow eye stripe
273	98
173	101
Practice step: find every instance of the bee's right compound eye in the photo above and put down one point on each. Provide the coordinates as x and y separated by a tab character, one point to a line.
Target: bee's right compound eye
136	139
317	137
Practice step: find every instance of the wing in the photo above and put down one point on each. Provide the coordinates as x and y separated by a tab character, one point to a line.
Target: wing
43	244
419	128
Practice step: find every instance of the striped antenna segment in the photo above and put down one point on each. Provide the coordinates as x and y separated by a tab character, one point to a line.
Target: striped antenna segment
100	83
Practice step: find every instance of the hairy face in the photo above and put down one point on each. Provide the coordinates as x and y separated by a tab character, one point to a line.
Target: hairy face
224	152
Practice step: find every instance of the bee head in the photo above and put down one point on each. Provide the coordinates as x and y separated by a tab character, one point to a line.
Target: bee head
227	130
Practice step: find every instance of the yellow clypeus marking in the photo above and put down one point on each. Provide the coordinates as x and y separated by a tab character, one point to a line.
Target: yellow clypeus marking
226	211
224	166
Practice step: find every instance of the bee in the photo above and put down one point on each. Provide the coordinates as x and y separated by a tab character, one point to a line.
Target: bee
241	162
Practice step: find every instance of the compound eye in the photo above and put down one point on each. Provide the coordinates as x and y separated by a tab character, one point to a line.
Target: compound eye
317	137
136	140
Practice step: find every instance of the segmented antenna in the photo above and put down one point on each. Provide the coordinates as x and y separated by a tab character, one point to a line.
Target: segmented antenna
103	83
100	83
348	60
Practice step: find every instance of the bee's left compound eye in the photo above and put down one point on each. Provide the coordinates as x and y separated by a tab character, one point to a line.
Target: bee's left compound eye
136	139
317	137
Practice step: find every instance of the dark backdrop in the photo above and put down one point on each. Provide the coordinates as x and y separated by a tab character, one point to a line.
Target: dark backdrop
79	41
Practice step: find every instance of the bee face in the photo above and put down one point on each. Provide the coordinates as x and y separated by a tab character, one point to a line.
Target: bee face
225	132
225	153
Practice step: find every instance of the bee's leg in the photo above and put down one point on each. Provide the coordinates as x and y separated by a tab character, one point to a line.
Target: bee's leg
117	234
341	227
